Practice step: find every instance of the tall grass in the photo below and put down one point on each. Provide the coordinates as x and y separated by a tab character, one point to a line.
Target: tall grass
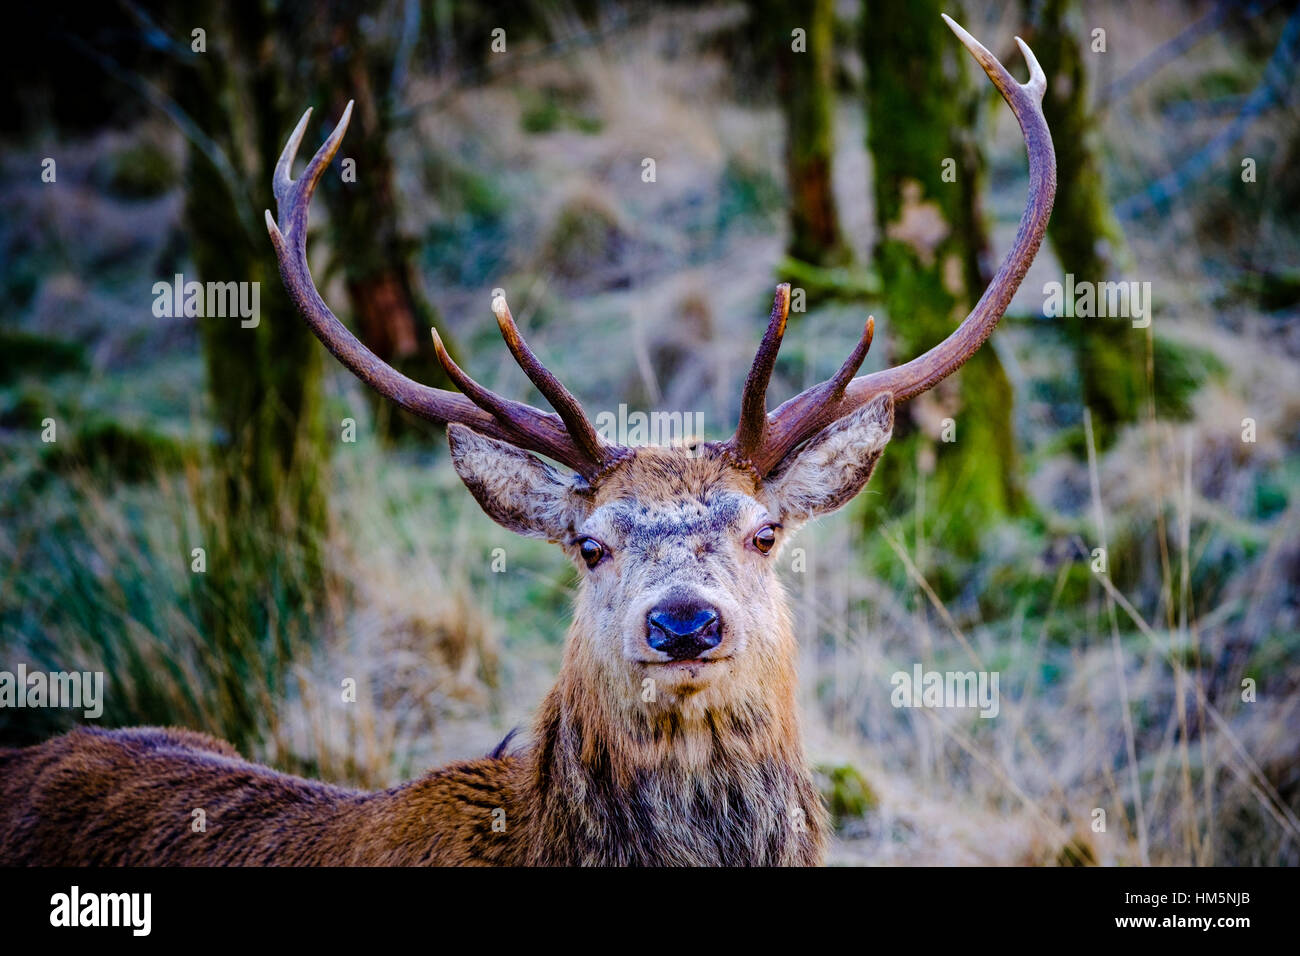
239	646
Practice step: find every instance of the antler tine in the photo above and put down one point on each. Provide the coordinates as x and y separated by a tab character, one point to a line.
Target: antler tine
519	419
293	196
282	182
812	409
513	415
560	398
1001	77
751	432
829	392
840	380
808	413
514	422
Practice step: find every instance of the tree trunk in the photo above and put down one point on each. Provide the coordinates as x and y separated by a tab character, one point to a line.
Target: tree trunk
263	381
1085	235
392	314
265	516
805	86
931	255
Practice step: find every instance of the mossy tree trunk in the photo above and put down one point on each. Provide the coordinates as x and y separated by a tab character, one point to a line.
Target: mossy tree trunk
263	381
392	314
931	255
804	68
265	516
1110	354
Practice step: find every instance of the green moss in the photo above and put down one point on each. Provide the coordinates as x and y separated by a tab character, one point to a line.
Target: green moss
141	171
549	110
1179	371
22	353
28	410
855	284
846	791
805	92
1270	498
1019	582
541	114
109	447
1273	290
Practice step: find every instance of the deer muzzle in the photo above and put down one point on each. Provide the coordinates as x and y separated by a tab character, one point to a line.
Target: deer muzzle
683	630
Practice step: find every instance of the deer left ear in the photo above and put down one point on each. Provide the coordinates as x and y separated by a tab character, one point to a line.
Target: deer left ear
830	470
518	491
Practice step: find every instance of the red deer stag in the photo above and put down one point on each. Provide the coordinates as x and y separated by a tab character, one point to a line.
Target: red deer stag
679	594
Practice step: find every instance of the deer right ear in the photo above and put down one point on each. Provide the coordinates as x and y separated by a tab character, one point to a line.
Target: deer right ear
518	491
832	468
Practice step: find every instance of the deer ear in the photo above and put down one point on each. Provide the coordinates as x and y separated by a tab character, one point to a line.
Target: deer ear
518	490
831	469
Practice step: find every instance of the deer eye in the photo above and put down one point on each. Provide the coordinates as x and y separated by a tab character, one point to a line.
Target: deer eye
591	550
765	538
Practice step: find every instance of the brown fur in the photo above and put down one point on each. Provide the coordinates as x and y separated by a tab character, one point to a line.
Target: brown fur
706	770
126	798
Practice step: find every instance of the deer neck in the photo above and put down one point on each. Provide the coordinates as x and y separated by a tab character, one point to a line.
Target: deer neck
714	782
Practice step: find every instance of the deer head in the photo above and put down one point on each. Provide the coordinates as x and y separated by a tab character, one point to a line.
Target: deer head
677	547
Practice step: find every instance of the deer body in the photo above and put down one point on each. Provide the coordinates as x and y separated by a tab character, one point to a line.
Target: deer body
671	735
127	798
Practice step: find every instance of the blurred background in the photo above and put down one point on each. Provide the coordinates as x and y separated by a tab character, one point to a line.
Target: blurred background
184	507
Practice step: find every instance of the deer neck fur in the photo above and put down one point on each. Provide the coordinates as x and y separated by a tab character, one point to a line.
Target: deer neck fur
612	782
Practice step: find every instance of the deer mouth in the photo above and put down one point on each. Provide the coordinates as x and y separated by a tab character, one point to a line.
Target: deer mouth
690	665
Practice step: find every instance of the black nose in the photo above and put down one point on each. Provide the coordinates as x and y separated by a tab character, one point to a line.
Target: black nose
683	631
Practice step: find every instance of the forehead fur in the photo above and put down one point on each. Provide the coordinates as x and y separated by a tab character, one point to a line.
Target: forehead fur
660	474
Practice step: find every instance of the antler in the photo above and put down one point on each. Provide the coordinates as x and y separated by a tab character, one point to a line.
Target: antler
764	440
567	437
